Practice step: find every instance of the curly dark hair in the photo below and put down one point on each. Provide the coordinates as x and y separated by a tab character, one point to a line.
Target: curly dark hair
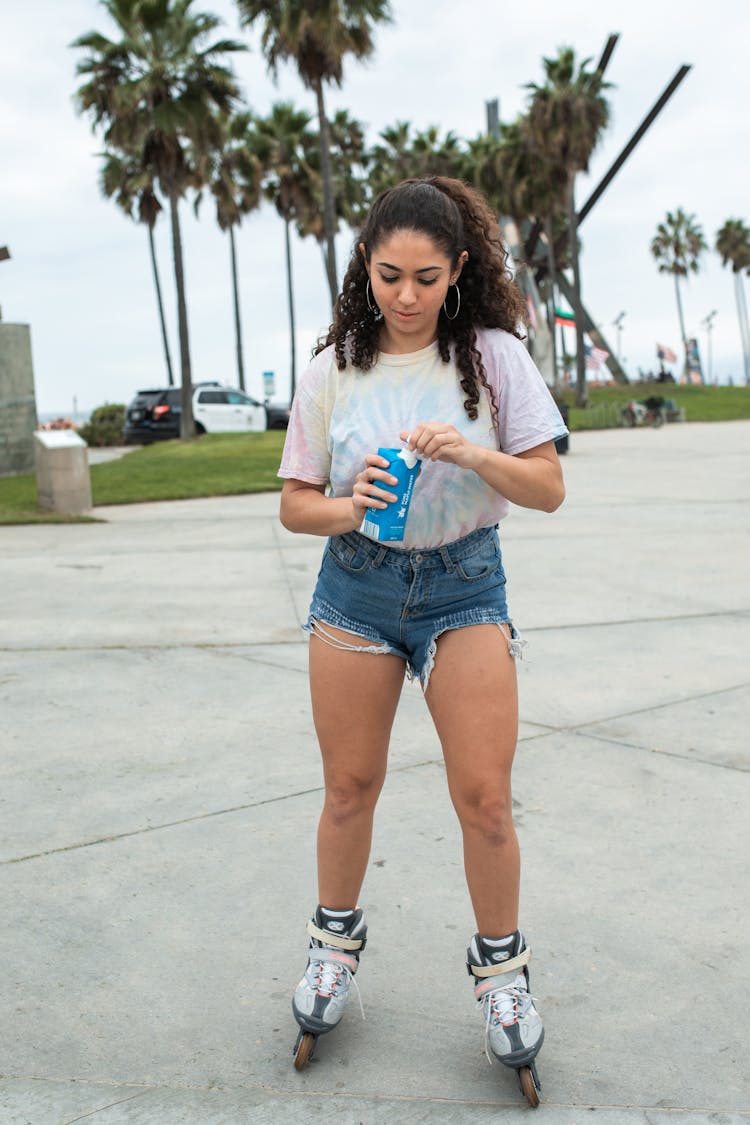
456	218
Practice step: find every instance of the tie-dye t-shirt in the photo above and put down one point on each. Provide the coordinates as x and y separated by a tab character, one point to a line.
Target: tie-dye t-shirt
340	416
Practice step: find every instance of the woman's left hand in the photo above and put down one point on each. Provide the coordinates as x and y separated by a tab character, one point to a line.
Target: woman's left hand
439	441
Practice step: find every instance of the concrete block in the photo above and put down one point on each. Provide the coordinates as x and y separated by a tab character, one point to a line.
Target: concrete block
17	402
62	472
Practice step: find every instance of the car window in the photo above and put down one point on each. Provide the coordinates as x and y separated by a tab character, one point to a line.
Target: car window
212	396
236	398
173	396
148	398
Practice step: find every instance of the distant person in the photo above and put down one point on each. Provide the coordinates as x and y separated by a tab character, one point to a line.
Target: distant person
423	353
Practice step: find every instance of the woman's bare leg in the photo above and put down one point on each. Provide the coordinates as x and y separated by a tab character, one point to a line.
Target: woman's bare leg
472	697
354	700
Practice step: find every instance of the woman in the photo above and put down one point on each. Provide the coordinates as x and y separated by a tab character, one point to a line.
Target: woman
423	351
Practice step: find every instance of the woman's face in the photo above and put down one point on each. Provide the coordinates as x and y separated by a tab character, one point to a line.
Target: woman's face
409	276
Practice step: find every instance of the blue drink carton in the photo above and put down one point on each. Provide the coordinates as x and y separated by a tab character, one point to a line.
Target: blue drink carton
389	523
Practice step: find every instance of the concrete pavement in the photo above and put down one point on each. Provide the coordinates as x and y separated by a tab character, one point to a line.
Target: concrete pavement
161	786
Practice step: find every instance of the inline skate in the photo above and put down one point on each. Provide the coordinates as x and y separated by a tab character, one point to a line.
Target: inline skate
337	939
513	1030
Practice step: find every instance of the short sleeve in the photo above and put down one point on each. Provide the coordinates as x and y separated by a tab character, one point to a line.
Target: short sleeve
527	413
307	454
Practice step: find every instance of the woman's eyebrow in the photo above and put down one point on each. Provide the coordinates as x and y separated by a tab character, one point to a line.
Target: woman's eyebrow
425	269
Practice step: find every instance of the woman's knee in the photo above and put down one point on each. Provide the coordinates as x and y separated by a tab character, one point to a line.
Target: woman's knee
351	796
489	815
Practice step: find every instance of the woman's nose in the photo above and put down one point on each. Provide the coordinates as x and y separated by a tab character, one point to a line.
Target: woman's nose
406	294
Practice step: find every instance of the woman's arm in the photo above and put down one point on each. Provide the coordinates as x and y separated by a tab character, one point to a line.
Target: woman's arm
306	508
532	479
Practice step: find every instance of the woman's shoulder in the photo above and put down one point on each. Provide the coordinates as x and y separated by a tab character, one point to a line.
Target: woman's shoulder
503	354
499	342
319	368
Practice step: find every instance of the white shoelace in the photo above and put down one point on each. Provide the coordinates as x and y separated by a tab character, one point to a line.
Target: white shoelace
505	1006
329	974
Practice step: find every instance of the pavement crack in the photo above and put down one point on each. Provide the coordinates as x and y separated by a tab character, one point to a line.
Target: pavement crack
657	707
652	619
116	837
208	646
592	736
102	1108
285	572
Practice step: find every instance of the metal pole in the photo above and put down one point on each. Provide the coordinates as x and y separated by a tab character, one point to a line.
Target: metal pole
709	324
599	189
493	118
617	323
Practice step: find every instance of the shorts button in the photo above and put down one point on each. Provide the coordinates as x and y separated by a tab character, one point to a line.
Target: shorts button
419	558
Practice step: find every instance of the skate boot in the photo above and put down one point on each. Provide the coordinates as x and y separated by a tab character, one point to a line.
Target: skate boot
513	1029
336	940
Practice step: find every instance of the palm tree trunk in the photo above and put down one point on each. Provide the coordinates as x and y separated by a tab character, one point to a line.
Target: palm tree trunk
739	292
237	320
552	274
160	303
292	329
576	302
187	425
329	217
683	334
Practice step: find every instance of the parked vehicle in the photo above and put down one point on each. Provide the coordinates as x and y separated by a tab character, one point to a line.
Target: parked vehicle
154	415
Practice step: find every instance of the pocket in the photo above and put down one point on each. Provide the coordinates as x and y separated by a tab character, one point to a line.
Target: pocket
354	558
485	563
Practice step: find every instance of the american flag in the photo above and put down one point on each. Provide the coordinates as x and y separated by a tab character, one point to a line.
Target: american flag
666	355
595	357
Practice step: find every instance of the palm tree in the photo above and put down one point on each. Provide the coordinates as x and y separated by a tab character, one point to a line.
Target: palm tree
565	119
401	155
123	178
283	143
521	184
234	175
156	92
677	247
317	37
733	244
351	189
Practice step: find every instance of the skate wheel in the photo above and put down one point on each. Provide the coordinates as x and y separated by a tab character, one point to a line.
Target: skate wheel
529	1085
303	1049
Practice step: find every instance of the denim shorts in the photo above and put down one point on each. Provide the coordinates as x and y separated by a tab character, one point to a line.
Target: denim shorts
401	601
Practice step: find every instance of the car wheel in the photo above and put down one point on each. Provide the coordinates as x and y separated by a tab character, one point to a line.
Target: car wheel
199	429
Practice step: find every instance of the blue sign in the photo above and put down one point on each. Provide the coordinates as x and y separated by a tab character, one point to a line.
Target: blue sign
269	383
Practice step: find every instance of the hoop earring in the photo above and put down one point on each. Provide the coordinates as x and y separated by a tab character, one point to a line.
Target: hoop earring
368	294
458	303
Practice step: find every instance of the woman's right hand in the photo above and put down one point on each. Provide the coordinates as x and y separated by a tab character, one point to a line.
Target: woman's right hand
369	490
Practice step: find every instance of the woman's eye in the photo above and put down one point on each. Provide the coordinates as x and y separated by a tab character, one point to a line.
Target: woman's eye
388	280
427	281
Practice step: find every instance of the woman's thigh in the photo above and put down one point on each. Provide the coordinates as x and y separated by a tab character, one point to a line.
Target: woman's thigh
354	700
473	699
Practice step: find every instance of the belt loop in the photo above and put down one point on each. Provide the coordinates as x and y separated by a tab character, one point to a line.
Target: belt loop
382	552
447	560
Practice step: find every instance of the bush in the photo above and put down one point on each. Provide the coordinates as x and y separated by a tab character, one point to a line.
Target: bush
104	427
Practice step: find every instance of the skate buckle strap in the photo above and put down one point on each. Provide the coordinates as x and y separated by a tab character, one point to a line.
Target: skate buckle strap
513	964
334	940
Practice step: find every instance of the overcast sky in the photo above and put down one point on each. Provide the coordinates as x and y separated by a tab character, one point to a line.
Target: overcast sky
80	272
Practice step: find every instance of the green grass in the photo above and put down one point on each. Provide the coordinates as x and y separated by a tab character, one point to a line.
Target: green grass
216	465
701	404
228	464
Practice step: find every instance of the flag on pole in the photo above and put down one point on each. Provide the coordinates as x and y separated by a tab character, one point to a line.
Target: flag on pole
595	357
666	355
565	318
